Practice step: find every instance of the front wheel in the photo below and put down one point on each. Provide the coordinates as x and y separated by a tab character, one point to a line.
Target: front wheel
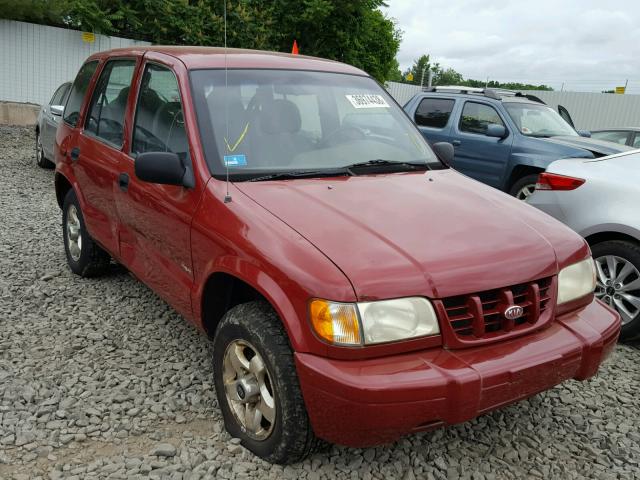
618	282
524	187
257	385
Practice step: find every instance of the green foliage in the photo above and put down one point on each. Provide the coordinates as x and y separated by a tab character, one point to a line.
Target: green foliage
355	32
449	76
506	85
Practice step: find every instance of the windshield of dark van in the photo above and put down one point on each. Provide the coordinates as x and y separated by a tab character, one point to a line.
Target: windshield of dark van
535	120
261	121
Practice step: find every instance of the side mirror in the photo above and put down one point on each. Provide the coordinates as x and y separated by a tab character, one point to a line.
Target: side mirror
56	110
445	152
495	130
584	133
163	167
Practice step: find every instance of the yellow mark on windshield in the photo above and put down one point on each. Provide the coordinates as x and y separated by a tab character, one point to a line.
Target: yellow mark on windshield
230	148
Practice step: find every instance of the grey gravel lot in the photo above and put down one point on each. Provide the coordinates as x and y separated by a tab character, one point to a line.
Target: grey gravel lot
101	379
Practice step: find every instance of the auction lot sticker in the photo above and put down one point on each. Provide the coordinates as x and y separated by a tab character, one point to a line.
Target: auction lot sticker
366	100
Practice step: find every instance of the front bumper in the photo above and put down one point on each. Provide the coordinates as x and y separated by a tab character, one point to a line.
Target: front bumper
368	402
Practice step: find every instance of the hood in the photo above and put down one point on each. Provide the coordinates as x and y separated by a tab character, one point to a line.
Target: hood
434	233
598	148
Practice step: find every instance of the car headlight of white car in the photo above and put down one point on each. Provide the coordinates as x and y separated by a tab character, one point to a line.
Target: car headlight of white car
576	281
369	323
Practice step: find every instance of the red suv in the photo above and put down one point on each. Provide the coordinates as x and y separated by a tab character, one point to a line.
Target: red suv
356	289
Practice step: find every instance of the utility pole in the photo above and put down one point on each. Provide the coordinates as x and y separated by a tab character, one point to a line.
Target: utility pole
626	82
422	78
430	81
486	84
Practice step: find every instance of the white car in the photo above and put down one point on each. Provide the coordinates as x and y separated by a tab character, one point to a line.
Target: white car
600	199
46	126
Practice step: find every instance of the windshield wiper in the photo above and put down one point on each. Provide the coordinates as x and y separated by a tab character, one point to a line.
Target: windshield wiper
380	162
301	174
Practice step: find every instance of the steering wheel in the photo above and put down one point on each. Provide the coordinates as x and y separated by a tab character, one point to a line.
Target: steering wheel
342	135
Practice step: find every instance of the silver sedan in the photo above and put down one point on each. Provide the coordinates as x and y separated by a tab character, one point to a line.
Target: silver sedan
600	199
46	126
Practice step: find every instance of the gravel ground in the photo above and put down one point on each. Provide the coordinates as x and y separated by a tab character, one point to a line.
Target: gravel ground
101	379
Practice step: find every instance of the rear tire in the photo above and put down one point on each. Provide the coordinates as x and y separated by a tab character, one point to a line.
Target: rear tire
248	331
84	256
623	293
524	186
41	160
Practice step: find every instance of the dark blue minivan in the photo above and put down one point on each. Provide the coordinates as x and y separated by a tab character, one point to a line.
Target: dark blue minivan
502	138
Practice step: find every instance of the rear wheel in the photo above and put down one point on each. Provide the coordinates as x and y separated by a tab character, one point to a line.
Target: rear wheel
41	160
618	282
524	187
84	256
257	385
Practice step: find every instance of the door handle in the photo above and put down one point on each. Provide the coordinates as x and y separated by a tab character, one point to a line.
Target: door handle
123	182
456	143
75	154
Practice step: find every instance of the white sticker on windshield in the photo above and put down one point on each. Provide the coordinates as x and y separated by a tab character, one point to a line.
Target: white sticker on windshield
367	101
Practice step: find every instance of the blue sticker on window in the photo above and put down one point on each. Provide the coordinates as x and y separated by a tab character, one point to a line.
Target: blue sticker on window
235	160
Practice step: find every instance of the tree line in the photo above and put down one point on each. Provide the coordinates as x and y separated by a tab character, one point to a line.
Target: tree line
449	76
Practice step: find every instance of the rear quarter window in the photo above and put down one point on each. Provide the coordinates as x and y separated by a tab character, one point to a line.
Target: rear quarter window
78	92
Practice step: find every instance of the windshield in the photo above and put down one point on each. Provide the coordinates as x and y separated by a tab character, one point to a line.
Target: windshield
537	120
280	120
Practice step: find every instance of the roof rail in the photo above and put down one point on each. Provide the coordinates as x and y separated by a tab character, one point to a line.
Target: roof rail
487	92
494	93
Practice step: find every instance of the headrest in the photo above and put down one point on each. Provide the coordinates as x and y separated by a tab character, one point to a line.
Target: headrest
280	116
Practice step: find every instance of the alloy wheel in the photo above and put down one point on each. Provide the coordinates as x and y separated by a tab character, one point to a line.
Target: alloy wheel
618	284
525	192
249	389
74	233
39	150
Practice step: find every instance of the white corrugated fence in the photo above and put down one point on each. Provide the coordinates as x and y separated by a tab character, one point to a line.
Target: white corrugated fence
36	59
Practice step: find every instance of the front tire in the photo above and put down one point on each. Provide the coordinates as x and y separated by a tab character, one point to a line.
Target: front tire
524	187
618	282
257	385
41	160
84	256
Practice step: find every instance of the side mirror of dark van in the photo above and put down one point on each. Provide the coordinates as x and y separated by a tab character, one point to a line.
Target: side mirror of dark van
163	167
495	130
445	152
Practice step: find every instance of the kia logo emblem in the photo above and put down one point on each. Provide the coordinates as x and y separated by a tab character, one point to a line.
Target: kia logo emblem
513	312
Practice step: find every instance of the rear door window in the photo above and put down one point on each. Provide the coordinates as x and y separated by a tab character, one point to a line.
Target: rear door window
159	123
636	141
109	102
78	91
433	112
476	117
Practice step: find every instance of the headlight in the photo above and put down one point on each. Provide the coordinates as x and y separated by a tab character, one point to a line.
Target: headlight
373	322
576	281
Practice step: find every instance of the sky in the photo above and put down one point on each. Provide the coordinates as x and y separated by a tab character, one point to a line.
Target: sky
587	45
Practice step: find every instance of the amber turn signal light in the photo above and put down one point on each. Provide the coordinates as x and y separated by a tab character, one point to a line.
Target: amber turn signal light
335	322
